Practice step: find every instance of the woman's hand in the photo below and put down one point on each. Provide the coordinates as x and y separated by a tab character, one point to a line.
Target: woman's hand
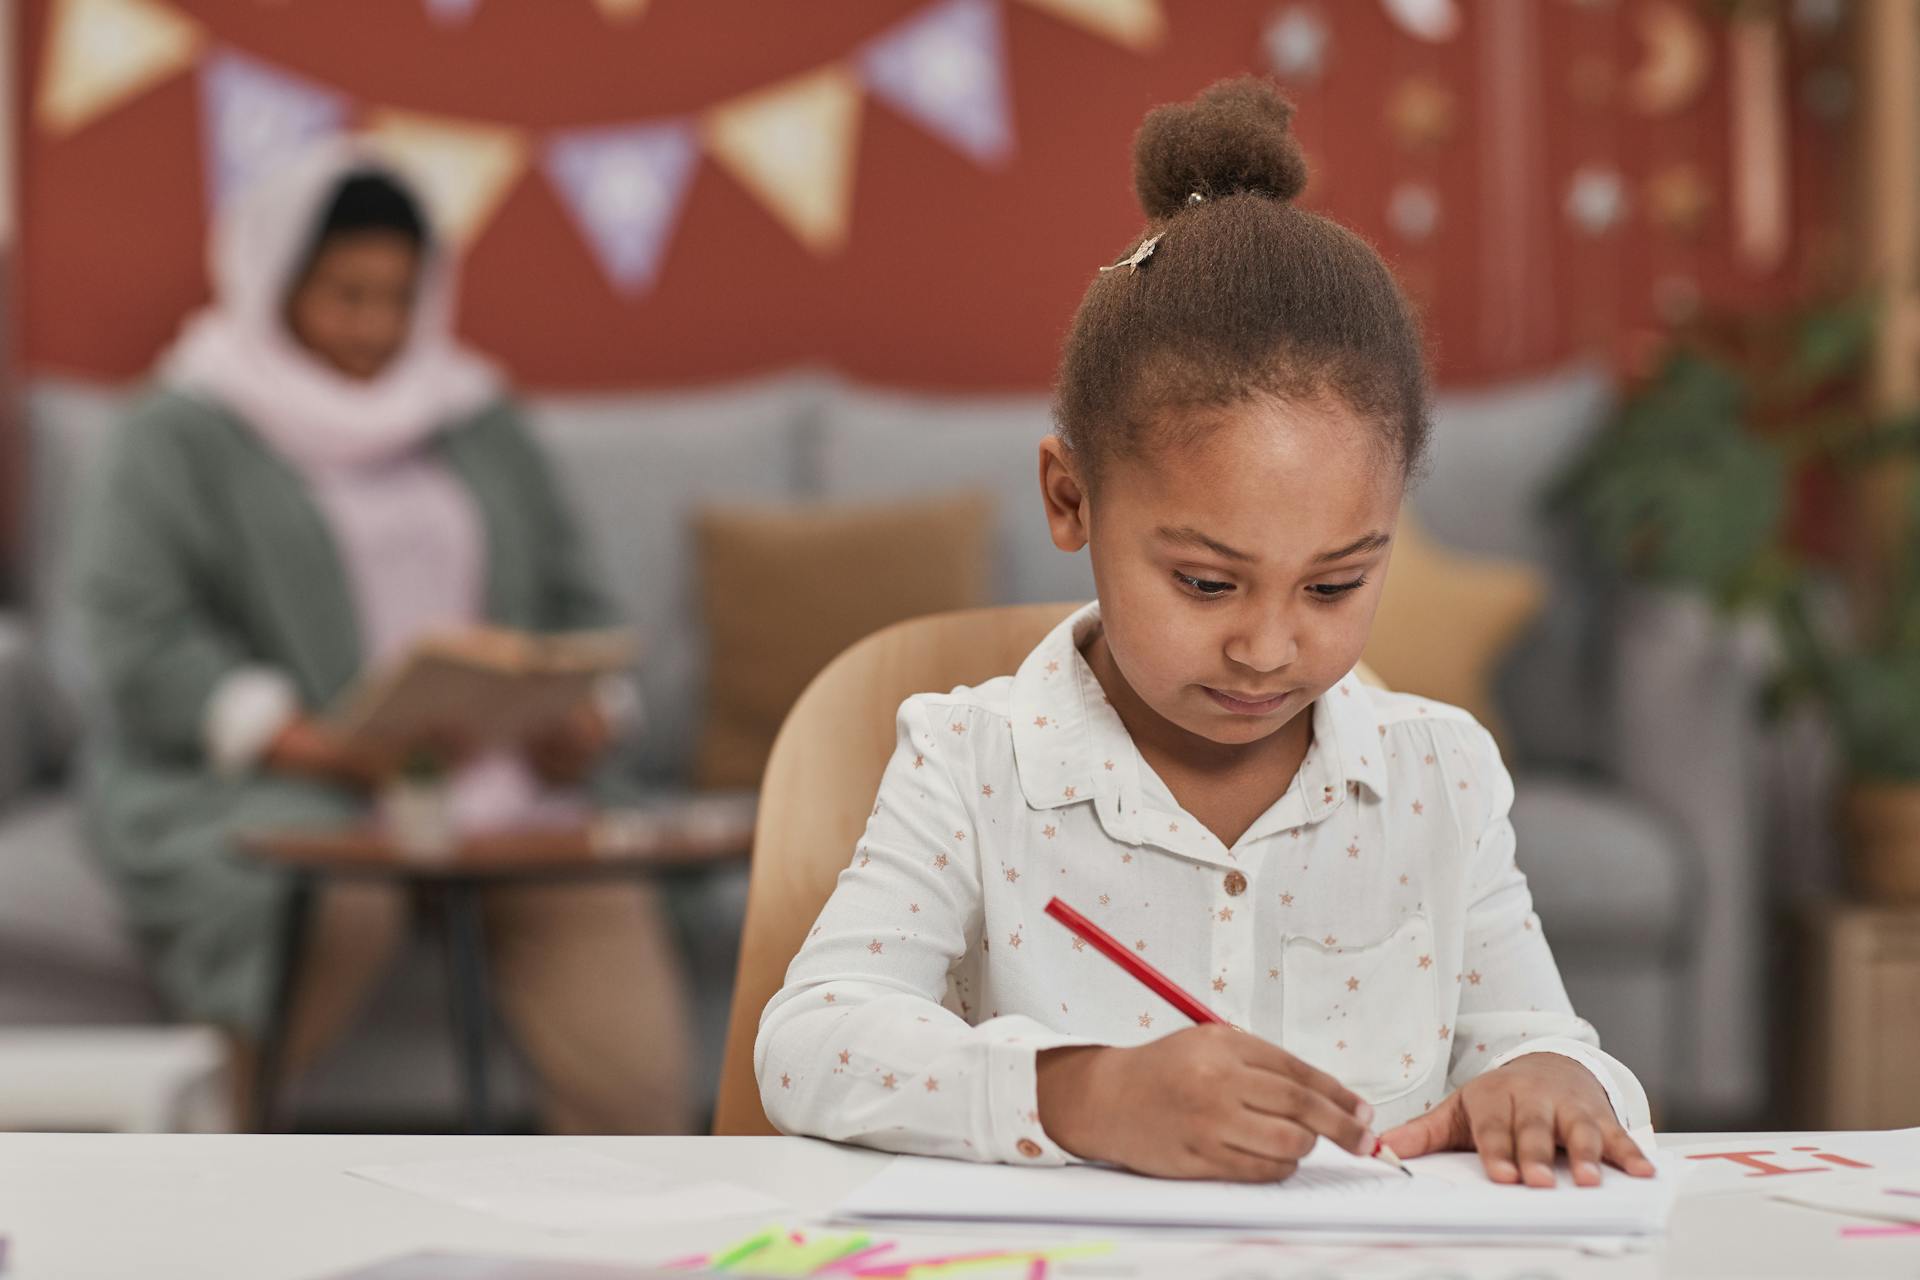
1518	1115
307	748
1207	1102
566	753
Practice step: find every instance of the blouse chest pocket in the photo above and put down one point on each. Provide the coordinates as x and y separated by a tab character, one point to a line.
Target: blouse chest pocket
1367	1015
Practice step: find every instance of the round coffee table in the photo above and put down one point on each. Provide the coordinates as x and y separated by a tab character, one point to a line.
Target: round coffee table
685	839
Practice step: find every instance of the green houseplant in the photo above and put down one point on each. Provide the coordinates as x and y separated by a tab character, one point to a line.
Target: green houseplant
1731	471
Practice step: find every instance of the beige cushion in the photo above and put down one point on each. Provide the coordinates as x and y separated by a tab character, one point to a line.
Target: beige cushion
785	588
1446	619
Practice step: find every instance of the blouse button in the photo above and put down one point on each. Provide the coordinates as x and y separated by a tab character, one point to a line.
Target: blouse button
1236	884
1029	1148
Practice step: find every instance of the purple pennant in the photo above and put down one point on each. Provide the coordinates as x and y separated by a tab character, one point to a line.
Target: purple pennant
452	11
624	186
253	117
946	67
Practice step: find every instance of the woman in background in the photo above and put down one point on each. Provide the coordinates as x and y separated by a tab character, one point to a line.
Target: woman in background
322	476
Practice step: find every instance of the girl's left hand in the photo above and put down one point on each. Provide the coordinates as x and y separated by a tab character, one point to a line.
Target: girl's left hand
1519	1115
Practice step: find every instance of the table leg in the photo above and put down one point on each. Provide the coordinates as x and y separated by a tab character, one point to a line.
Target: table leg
468	1002
295	916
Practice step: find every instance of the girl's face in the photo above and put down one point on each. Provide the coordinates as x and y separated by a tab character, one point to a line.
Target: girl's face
354	307
1237	575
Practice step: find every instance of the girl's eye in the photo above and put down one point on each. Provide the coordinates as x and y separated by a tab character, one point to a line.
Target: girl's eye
1201	586
1331	591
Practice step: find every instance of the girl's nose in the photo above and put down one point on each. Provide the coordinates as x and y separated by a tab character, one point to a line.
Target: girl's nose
1266	643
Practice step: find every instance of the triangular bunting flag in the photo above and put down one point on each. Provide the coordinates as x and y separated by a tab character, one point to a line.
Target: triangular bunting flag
1137	24
101	52
624	186
945	67
253	117
451	11
621	10
463	170
792	145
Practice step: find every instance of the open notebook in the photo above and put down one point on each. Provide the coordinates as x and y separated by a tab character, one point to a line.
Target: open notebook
1331	1191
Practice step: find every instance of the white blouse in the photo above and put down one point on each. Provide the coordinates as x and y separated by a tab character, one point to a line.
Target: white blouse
1372	922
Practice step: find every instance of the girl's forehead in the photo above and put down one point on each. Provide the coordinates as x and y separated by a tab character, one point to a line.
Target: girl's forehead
1263	456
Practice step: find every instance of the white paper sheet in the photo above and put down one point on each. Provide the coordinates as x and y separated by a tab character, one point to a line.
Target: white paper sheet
1332	1191
1794	1163
569	1189
1874	1197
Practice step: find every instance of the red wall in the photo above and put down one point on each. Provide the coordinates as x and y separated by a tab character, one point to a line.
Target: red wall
954	276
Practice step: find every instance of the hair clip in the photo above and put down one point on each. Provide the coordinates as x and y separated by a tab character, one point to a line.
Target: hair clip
1133	260
1194	197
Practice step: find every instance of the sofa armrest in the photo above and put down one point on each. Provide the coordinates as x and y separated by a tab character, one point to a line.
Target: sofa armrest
1687	740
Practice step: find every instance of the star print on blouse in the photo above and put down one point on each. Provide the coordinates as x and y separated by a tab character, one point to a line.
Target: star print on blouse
1079	944
1473	976
1330	940
1106	899
1426	962
1049	831
1141	945
1219	985
939	862
1445	1031
986	789
830	998
875	946
1039	722
933	1085
1013	939
1012	874
1109	766
1052	667
1273	973
1403	878
1146	1019
1340	1044
846	1057
958	726
1226	915
1126	858
919	762
1068	793
1353	850
1286	899
1353	984
1418	808
889	1081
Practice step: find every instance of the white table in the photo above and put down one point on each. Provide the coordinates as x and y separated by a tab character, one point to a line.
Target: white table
79	1206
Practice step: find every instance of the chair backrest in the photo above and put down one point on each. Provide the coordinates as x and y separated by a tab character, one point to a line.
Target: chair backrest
818	792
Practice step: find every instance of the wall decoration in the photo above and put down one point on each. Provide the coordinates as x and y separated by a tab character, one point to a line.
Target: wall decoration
1677	57
1295	41
624	187
1430	20
100	53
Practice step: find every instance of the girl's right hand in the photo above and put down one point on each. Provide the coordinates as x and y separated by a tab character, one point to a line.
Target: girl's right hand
1206	1102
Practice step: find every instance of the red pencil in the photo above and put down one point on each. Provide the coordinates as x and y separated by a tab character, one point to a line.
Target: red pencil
1164	987
1154	980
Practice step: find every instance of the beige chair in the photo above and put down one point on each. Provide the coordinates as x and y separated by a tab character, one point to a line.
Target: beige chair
818	792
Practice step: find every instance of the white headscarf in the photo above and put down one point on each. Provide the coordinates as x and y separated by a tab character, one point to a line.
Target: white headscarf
240	352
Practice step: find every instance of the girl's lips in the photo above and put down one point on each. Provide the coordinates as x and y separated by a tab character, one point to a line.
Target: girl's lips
1246	707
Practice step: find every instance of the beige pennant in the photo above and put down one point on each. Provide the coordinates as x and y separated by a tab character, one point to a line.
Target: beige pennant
464	169
1137	24
99	53
621	10
793	146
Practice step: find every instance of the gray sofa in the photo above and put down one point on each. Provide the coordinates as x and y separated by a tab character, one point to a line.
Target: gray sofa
1638	833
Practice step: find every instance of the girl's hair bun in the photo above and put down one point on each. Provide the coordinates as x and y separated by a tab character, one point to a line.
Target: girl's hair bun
1233	138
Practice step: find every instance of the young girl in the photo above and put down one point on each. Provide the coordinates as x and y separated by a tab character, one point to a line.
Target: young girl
1191	762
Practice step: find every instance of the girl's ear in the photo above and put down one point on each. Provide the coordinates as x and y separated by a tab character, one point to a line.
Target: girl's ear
1069	518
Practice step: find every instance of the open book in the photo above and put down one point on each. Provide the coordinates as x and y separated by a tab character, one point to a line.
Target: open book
490	685
1331	1191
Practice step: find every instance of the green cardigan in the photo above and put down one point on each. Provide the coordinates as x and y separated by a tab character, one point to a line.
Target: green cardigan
199	551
